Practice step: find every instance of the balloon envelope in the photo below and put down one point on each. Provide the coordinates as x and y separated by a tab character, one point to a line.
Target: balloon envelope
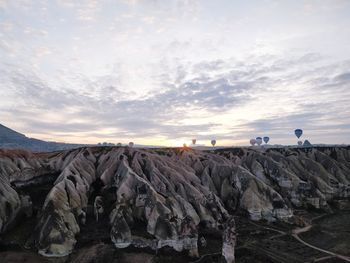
252	142
213	142
258	140
300	143
131	144
266	139
194	141
298	132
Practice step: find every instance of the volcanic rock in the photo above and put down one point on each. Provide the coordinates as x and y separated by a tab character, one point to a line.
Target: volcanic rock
154	198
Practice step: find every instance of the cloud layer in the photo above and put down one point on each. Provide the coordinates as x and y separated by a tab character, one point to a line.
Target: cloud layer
163	73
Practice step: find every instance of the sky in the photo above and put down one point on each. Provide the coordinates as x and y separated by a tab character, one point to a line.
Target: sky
161	72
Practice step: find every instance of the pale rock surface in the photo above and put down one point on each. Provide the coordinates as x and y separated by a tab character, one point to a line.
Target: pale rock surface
166	192
229	241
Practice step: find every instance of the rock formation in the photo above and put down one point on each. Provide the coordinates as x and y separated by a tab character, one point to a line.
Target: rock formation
158	197
98	207
229	241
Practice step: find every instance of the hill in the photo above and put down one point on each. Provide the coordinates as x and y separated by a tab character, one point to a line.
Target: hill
11	139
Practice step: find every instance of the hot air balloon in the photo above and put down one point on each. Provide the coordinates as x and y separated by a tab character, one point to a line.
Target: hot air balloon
119	144
298	132
307	143
266	139
185	145
131	144
252	142
194	141
300	143
213	142
258	140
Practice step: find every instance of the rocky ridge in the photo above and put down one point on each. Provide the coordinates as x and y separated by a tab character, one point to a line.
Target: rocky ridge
168	193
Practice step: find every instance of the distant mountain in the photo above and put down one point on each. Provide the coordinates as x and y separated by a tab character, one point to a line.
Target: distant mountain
11	139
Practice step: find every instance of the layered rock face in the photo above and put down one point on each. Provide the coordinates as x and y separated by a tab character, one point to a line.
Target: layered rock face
16	168
159	197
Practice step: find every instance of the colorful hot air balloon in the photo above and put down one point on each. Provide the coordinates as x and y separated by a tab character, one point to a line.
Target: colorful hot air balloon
266	139
252	142
300	143
213	142
298	132
131	144
258	140
194	141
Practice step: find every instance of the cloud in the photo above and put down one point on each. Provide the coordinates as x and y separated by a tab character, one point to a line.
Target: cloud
85	10
343	78
6	26
10	47
45	109
213	94
42	51
3	4
317	126
35	32
190	105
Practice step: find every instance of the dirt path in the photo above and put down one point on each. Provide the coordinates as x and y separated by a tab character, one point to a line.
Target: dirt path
297	231
324	258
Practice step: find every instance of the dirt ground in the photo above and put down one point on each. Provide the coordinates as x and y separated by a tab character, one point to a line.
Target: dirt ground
331	232
258	242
